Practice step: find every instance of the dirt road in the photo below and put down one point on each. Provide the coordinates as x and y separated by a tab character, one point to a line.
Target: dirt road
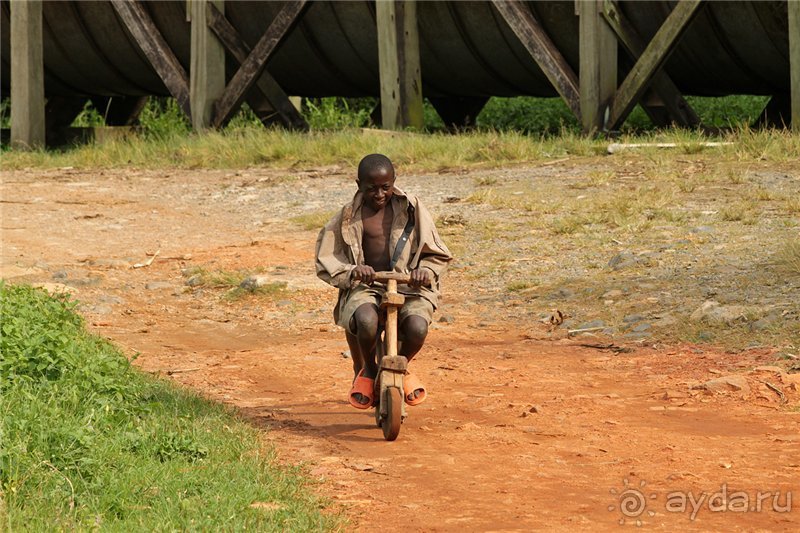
523	430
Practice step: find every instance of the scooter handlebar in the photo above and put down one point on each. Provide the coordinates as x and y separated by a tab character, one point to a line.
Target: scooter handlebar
399	277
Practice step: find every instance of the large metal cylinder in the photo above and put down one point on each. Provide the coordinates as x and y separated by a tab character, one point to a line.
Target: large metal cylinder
735	47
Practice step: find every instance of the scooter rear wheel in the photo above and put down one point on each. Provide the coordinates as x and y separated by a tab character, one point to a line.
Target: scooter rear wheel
394	414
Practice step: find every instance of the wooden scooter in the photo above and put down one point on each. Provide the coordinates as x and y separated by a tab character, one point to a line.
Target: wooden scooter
391	409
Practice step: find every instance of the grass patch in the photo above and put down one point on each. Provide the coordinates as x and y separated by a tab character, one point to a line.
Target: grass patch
313	221
743	212
792	205
254	146
521	286
237	284
215	279
270	290
789	257
89	442
566	225
485	181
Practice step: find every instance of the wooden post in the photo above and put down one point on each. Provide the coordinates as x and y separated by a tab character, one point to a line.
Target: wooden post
653	57
542	49
207	71
598	65
274	100
675	105
252	67
391	321
794	61
398	61
27	75
153	45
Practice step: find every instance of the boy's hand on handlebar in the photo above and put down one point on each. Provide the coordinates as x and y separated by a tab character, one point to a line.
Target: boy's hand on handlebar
420	277
363	273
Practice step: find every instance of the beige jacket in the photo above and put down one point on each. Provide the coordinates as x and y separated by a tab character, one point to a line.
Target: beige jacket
339	248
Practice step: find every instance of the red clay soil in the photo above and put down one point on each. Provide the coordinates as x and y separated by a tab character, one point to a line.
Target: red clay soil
517	434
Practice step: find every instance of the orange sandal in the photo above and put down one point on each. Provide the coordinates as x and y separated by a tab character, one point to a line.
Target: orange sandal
412	383
366	388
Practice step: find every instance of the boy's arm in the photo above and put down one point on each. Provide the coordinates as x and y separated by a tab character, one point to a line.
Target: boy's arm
332	259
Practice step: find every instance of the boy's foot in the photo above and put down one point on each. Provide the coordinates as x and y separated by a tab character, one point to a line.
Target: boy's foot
413	390
361	395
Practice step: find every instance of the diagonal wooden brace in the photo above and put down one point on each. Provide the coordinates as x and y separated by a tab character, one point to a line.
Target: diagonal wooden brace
238	48
252	67
539	45
680	112
651	60
156	49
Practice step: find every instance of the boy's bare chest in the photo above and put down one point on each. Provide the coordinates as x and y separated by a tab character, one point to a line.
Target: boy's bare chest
378	225
377	234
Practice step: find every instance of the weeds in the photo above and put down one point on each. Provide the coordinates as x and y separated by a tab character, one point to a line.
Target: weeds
237	284
91	443
743	212
336	113
270	290
313	221
566	225
486	181
789	257
215	279
792	205
521	286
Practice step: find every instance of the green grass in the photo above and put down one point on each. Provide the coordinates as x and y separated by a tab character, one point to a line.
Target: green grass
88	442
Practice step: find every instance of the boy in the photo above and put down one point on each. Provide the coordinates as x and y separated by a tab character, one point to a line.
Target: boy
382	229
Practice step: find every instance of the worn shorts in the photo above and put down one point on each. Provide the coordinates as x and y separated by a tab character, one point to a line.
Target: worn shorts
364	294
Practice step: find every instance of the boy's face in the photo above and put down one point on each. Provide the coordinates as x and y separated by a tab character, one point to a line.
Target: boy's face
377	187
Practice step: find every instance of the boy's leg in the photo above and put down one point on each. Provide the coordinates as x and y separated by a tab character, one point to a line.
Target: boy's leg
413	331
355	353
365	325
415	316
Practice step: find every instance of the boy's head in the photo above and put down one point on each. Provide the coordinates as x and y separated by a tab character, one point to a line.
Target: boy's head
376	180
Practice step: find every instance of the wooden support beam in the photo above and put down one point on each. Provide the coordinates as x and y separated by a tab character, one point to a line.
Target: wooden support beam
399	64
27	76
536	41
277	99
794	61
207	71
653	57
252	67
678	109
598	64
155	48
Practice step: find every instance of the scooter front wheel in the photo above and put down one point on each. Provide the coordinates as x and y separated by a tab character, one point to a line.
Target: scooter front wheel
394	414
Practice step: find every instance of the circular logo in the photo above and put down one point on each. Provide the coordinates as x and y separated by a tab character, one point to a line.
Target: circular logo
632	502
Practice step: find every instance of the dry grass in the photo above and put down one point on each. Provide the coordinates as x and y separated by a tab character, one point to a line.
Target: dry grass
253	147
743	211
313	221
788	257
231	282
685	228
